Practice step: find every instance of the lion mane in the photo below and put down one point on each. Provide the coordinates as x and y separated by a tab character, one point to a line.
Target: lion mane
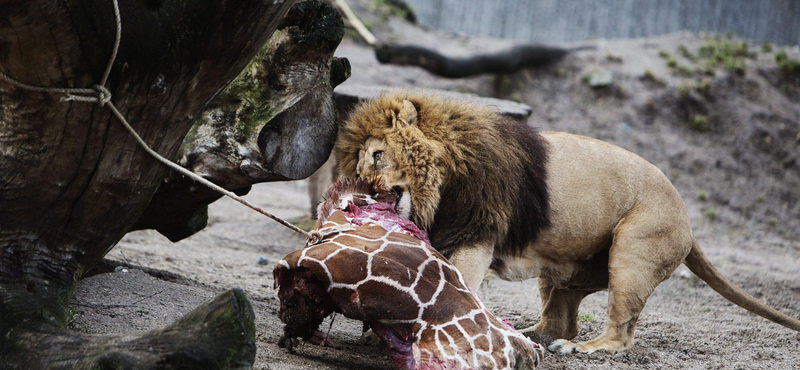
473	174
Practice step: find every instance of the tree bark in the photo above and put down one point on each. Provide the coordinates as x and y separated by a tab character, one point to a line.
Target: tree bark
275	121
73	181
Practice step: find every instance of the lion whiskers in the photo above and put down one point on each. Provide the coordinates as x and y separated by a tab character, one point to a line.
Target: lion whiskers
404	205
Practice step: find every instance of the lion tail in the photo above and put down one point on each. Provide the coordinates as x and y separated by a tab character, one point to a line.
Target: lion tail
699	264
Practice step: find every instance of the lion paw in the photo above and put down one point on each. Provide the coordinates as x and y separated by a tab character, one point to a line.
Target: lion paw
565	347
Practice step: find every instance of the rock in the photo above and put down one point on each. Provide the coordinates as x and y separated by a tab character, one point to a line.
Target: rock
347	96
601	78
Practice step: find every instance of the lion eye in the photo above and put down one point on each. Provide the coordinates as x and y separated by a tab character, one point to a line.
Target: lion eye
377	155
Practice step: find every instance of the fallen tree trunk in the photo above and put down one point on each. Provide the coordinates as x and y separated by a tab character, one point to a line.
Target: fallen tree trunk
506	60
73	181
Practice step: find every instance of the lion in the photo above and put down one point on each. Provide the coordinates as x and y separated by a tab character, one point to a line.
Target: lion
498	197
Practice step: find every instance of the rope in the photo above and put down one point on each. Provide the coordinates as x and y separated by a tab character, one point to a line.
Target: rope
117	40
316	236
99	94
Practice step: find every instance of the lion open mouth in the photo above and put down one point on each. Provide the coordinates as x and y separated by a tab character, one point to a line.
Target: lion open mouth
402	205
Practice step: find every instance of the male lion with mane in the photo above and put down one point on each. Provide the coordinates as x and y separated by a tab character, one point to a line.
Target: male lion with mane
494	195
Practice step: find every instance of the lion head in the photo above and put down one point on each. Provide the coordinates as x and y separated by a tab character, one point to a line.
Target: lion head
383	139
468	174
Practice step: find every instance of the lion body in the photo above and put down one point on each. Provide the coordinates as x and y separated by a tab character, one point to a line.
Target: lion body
494	195
594	189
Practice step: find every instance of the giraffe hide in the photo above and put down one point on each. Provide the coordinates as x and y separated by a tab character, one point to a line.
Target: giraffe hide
409	294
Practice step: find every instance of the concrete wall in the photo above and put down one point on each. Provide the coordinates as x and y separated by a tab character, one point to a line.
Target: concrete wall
776	21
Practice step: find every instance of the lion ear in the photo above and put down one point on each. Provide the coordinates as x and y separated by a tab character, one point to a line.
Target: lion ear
408	114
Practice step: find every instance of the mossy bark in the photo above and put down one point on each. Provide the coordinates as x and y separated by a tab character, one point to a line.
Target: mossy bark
275	121
73	181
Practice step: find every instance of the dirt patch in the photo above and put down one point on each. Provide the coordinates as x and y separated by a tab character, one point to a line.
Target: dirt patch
739	174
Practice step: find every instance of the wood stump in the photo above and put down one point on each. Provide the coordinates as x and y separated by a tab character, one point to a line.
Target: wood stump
73	181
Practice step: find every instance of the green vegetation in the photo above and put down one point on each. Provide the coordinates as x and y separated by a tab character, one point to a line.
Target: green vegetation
704	86
247	98
709	68
787	64
684	51
519	325
672	63
722	52
304	222
649	76
700	122
72	315
766	47
387	9
586	317
772	221
683	70
72	323
710	214
702	196
351	33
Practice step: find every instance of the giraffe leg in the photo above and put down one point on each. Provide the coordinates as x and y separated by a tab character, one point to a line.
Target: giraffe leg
559	313
641	257
473	262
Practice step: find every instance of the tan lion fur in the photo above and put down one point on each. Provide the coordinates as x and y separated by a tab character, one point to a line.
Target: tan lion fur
580	214
446	150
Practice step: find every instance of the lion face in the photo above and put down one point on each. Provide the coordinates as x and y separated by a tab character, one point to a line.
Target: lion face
376	159
386	138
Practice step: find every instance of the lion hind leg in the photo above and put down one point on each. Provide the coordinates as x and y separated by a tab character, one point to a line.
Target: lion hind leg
625	301
636	266
618	334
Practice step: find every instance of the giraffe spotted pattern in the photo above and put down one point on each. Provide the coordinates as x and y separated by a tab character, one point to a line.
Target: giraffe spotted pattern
372	266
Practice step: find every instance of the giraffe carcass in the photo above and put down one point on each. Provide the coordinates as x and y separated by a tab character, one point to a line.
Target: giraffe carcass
368	264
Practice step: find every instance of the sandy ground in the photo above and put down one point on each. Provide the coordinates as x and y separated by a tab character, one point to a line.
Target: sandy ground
685	325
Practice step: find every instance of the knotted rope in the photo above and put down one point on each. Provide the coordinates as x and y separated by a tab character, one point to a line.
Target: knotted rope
99	94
